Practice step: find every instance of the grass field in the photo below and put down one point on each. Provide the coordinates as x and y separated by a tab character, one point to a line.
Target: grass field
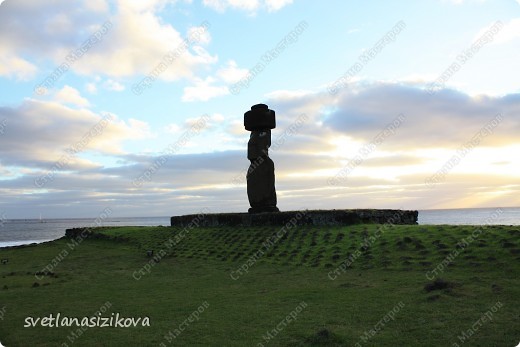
362	285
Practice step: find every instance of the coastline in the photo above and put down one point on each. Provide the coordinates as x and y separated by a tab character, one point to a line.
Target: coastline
23	243
54	229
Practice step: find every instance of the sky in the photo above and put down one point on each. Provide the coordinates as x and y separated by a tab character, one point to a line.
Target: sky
137	106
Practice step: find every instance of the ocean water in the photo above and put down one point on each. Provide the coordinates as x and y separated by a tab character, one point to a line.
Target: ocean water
14	232
471	216
25	231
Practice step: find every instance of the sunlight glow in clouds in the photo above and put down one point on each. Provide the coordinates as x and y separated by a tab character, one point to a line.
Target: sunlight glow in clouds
51	133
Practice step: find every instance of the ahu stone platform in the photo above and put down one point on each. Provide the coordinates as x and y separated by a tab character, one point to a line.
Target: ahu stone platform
314	217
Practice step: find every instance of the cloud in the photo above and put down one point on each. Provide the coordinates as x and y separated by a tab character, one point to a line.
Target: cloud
460	2
172	128
99	6
113	85
236	128
498	32
108	84
231	73
215	86
275	5
399	160
221	5
203	90
191	182
41	30
91	88
510	32
446	119
55	130
250	6
140	41
133	42
334	129
69	95
15	67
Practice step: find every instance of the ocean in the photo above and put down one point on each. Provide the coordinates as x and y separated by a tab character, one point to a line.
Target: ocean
14	232
471	216
25	231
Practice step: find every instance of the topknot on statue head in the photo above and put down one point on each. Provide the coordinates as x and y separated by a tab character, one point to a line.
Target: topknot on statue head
259	118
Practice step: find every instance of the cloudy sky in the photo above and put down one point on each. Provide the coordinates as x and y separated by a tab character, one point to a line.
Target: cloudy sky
137	105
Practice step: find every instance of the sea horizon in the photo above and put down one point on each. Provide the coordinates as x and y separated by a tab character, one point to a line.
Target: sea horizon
22	231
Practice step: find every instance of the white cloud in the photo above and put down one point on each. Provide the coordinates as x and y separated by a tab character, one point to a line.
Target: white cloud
393	176
250	6
97	5
91	88
135	42
236	128
138	129
53	128
217	118
212	87
203	90
199	33
172	128
510	32
12	66
70	95
460	2
275	5
221	5
447	119
113	85
139	42
60	23
40	30
231	73
288	94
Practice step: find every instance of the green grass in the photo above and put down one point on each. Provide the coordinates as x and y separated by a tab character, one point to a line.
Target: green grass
341	303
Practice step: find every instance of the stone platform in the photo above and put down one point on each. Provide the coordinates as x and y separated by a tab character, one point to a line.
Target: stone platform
314	217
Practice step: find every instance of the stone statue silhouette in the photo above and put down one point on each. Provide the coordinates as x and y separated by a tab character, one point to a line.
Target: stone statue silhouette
260	175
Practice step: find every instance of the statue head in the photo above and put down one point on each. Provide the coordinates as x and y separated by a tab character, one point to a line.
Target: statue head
259	118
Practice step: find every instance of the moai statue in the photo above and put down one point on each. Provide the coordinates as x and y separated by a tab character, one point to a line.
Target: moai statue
260	175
